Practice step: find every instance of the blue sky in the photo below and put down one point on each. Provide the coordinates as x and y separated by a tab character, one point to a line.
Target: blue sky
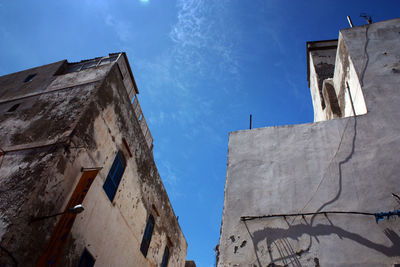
201	66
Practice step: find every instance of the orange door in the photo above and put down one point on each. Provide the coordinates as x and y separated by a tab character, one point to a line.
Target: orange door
60	233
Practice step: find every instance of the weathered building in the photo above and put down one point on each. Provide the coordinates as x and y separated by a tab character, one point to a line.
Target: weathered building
190	264
74	133
311	194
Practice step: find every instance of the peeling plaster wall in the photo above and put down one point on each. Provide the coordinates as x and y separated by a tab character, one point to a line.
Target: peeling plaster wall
346	79
43	119
346	164
124	220
80	122
36	142
13	85
29	179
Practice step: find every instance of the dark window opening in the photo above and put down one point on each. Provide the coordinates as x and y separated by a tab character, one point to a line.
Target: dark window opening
13	108
148	232
104	61
87	260
114	176
72	68
29	78
165	257
89	65
324	71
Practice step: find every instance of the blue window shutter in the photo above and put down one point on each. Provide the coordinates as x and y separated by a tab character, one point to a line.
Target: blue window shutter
114	176
148	232
165	258
109	188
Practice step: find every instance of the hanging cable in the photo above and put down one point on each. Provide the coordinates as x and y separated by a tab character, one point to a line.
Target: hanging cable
378	215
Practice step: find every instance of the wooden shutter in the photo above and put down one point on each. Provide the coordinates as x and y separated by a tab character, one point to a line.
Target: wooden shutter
58	238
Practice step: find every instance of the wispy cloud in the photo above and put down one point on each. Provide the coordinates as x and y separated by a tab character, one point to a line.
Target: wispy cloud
202	48
121	28
170	178
199	33
191	29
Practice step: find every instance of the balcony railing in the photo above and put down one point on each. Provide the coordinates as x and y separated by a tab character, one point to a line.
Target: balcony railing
143	124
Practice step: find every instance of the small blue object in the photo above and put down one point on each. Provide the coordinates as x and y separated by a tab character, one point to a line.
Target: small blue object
381	215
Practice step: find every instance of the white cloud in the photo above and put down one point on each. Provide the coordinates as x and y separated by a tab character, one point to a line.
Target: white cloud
170	179
201	49
109	20
200	34
191	28
121	28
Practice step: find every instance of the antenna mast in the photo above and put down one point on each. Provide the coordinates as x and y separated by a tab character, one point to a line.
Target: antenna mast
367	17
350	22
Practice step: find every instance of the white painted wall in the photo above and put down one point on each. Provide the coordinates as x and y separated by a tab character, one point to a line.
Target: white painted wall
347	164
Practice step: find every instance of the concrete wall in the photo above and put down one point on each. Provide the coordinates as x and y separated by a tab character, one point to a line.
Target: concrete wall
13	85
334	84
346	81
346	164
84	126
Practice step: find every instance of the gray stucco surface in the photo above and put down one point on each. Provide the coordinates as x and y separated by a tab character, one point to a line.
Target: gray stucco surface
80	120
346	164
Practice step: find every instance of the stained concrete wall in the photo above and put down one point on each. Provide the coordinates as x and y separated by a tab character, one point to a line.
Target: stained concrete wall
346	164
334	84
81	126
13	85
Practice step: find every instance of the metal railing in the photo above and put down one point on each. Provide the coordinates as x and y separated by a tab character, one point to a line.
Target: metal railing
142	122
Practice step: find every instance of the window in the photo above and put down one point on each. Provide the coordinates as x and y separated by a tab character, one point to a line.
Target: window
148	232
29	78
13	108
114	176
86	64
165	257
87	260
89	65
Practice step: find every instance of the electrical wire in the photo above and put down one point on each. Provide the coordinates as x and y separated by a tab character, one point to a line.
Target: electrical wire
248	218
365	64
378	215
